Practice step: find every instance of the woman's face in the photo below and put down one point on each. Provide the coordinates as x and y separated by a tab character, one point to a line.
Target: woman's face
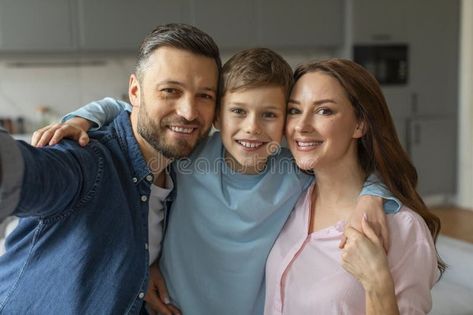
321	128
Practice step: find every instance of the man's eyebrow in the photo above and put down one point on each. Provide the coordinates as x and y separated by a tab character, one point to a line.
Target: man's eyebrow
207	88
170	82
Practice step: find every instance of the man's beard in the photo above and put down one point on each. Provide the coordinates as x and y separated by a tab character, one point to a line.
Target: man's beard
155	134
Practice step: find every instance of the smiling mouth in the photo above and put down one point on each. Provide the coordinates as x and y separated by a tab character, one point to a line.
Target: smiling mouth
250	145
182	130
308	144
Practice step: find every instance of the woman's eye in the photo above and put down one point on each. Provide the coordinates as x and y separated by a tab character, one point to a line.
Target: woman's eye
293	111
324	111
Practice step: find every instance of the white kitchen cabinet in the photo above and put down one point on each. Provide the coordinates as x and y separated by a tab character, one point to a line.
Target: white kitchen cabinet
302	24
121	25
427	104
432	147
380	21
230	23
36	26
433	57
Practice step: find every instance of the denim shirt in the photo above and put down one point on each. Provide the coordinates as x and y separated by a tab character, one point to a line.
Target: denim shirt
81	243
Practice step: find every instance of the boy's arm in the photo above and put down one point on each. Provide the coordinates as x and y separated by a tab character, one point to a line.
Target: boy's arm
99	112
76	124
374	187
11	174
50	180
373	198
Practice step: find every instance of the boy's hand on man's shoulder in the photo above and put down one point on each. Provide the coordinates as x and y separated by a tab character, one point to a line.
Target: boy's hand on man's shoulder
75	129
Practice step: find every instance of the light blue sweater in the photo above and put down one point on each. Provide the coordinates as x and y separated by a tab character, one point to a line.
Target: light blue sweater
222	224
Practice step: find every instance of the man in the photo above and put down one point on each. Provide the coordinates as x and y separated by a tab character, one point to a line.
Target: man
81	244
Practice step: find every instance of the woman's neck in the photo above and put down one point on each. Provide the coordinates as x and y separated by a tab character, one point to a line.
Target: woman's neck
336	195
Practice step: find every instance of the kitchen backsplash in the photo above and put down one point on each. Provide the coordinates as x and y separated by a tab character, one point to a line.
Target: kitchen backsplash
38	90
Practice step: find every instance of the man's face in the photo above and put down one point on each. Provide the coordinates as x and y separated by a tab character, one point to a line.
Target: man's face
174	103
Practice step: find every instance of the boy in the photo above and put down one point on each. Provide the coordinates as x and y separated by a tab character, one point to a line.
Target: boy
233	194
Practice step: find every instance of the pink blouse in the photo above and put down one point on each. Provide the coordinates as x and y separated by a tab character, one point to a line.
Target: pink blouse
304	274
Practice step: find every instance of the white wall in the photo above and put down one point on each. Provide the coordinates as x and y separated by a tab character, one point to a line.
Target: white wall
465	147
60	84
63	84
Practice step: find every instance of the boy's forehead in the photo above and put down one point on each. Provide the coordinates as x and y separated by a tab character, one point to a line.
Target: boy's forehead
264	95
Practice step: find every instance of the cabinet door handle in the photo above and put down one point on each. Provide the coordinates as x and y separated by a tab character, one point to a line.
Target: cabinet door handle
414	103
417	134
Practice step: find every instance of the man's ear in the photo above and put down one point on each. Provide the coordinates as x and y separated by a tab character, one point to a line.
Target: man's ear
134	92
360	130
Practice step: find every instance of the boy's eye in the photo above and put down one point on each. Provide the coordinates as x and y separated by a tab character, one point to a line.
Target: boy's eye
293	111
237	111
269	115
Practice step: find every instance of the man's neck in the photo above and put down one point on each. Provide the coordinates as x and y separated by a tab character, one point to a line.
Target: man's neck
155	161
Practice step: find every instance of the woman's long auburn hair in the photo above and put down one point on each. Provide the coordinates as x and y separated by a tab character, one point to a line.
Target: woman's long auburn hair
379	150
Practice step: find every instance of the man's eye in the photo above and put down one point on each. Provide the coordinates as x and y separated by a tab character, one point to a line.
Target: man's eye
169	91
206	96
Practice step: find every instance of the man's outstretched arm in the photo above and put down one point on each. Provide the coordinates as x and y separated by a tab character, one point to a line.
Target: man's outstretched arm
50	180
11	174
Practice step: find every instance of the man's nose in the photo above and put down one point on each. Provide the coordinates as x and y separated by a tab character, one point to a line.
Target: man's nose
187	109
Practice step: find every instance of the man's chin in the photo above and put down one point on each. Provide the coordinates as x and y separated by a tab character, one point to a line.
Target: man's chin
176	151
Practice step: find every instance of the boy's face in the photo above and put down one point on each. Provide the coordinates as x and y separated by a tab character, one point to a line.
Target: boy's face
251	122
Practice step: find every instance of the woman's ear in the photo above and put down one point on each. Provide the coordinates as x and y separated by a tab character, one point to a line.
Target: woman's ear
360	130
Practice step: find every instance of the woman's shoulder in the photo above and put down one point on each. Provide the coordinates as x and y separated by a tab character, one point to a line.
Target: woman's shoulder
408	226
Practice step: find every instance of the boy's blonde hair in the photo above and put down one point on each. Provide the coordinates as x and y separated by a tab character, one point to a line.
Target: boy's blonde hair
255	67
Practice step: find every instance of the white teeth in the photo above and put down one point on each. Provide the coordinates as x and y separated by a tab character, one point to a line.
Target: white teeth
250	144
308	144
181	129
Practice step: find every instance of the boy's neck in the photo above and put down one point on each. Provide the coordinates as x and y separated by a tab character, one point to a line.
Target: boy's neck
244	169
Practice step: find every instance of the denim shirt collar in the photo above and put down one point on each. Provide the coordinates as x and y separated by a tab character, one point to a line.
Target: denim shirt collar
128	143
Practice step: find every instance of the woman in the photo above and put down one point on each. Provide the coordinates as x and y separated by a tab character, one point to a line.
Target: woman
339	127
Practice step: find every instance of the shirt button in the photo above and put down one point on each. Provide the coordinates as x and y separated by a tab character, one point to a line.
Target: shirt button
144	198
149	178
141	295
146	246
135	179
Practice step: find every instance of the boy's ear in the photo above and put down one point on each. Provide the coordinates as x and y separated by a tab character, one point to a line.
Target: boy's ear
360	130
134	90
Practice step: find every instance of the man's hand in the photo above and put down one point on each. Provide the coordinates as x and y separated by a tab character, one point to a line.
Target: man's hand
75	129
157	296
372	207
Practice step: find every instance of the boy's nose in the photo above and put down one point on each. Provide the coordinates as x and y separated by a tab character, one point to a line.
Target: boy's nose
252	126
